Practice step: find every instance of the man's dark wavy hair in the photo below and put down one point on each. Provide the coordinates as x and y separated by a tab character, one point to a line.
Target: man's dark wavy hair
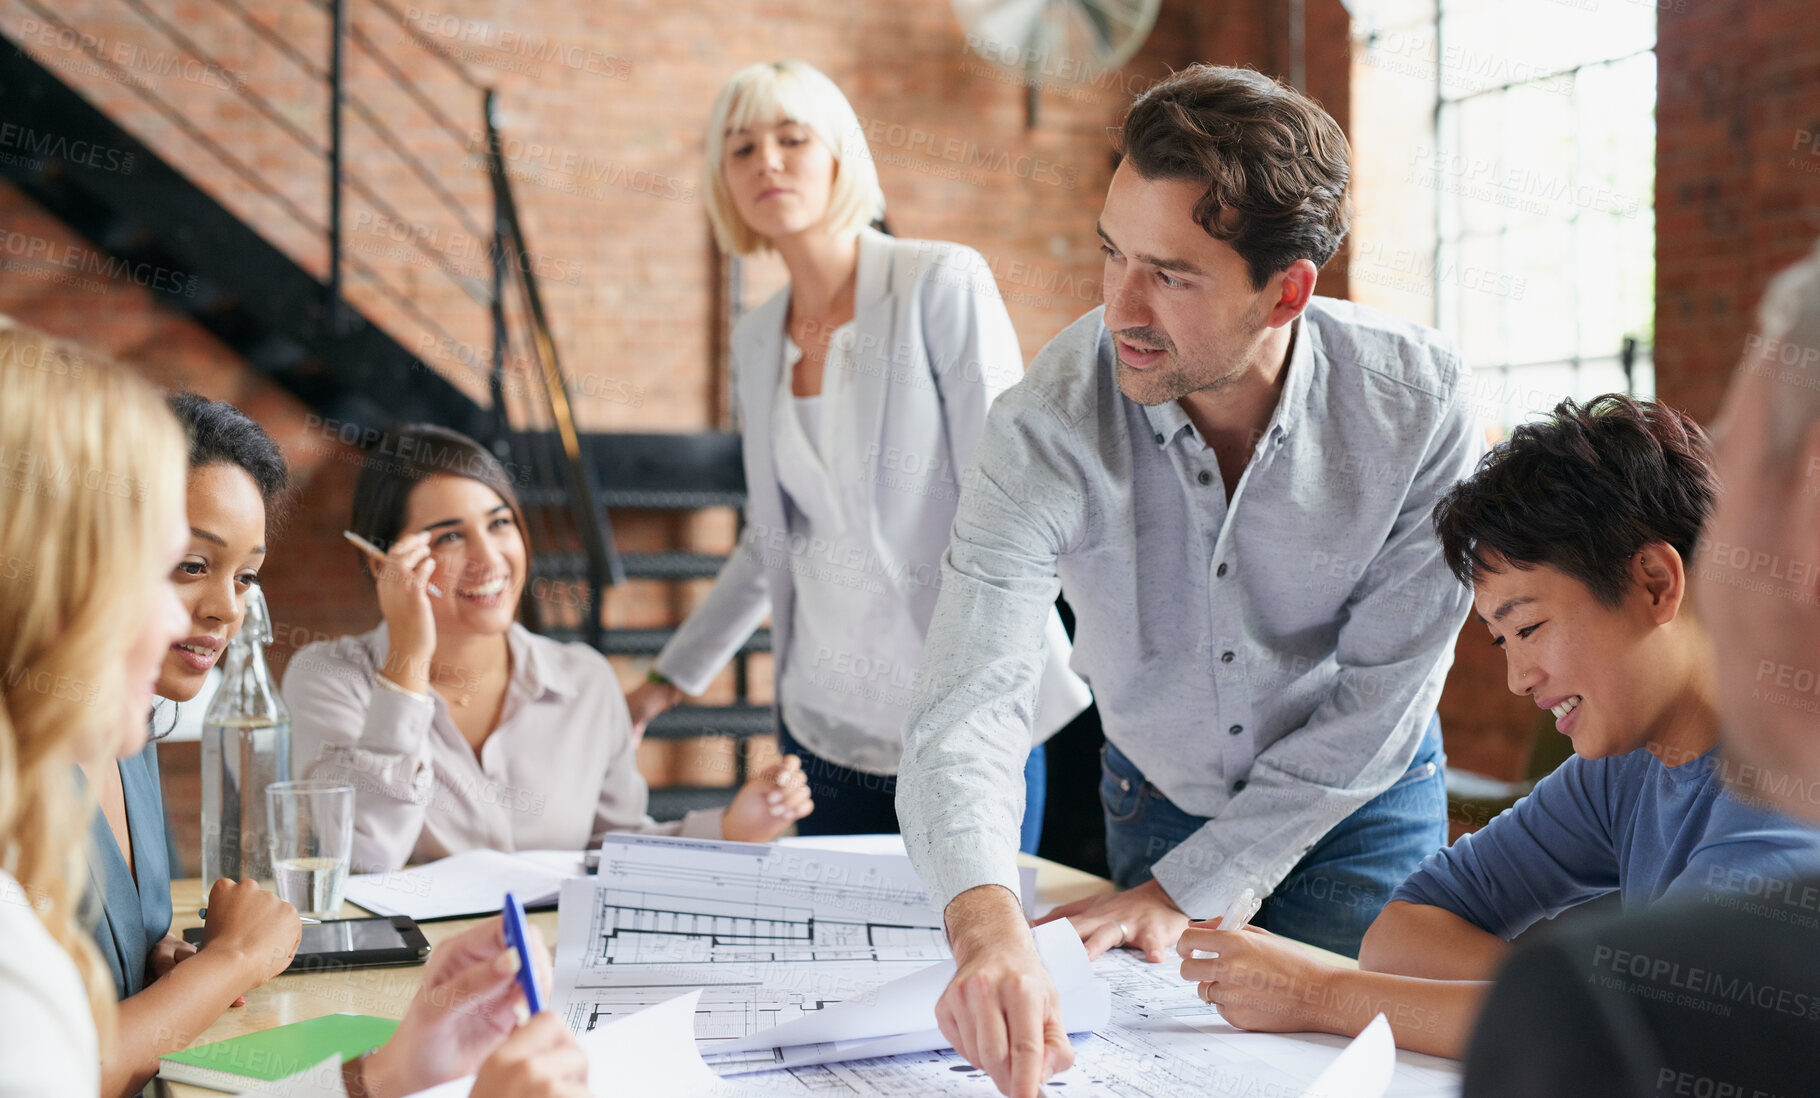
1274	164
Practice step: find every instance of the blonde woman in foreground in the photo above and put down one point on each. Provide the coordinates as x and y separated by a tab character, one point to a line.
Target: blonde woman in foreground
93	494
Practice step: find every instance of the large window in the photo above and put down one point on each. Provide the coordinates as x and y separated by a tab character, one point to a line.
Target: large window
1543	168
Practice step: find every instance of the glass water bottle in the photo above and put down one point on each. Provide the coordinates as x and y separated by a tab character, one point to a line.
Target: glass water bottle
246	746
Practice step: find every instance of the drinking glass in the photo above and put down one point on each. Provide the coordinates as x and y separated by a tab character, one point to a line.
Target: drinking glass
312	837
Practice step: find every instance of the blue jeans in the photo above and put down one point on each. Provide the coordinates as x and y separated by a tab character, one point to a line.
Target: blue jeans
851	802
1331	896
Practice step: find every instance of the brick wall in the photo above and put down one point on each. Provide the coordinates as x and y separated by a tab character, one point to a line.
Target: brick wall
602	108
1737	178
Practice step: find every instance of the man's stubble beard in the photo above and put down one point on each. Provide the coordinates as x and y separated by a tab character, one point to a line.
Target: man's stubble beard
1223	367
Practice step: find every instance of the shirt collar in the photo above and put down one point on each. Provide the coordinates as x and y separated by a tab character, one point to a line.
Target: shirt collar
1168	420
1305	360
534	670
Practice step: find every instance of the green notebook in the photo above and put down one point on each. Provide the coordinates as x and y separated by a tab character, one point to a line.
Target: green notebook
276	1053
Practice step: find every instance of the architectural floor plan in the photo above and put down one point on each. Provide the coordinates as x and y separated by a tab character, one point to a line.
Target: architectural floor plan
774	934
769	933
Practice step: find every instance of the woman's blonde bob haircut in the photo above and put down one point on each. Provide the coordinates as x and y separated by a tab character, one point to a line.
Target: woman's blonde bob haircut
800	92
94	473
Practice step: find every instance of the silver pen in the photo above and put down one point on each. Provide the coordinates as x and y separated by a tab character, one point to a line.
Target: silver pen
1238	914
363	543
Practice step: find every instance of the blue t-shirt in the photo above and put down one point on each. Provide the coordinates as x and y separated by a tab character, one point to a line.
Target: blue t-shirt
1626	824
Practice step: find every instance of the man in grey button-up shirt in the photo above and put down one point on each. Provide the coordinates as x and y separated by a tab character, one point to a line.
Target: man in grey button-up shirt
1231	482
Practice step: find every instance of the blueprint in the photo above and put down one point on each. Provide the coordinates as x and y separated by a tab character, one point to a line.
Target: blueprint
1162	1042
776	934
771	934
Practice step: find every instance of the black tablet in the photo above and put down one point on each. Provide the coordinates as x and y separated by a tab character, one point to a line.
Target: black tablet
377	942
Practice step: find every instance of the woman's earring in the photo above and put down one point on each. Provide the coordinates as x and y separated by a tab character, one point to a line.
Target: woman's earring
152	723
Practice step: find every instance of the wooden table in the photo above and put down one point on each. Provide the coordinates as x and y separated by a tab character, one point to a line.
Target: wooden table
386	992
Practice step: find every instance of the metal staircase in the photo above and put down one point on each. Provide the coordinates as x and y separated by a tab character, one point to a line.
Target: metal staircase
301	330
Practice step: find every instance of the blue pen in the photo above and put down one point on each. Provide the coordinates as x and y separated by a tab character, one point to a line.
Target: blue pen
514	913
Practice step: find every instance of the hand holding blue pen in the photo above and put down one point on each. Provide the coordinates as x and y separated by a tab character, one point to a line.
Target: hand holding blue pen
514	915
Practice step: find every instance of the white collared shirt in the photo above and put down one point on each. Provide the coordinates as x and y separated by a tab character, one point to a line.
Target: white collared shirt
559	771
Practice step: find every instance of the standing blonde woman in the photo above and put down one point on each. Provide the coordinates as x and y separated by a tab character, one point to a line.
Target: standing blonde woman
92	470
862	390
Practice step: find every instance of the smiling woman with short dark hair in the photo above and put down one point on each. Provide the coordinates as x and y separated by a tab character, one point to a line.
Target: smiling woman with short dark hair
1576	536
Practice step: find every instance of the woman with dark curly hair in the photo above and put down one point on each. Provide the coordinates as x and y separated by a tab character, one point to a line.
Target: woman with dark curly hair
236	487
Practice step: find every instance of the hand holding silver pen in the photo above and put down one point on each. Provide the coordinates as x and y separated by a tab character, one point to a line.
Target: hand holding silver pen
1238	916
380	555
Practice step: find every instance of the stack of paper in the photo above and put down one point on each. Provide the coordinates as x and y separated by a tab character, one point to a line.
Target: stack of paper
466	884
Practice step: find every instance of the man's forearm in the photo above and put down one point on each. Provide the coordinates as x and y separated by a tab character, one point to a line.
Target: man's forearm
983	918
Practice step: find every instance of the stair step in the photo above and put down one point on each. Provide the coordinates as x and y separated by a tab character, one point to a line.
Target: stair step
686	722
674	801
667	472
645	499
648	642
672	565
351	374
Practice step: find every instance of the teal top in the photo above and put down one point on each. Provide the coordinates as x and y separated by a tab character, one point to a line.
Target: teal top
134	914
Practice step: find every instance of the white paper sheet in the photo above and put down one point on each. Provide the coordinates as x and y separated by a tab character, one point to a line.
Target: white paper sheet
471	883
900	1016
805	932
650	1054
1363	1069
1161	1042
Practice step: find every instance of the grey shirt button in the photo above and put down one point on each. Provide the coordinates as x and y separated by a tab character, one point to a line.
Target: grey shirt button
1220	571
1225	657
1238	786
1205	477
1236	729
1159	438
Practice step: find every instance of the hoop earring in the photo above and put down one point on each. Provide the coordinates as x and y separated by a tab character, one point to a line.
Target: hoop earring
152	733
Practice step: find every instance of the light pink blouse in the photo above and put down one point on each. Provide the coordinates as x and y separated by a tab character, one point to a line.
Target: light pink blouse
559	772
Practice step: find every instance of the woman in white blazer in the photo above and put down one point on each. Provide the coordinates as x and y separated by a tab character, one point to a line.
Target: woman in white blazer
862	389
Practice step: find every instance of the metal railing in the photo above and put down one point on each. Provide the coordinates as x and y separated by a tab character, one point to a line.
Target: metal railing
510	295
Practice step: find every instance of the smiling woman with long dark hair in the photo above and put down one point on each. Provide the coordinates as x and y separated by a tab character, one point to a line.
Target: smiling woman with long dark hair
458	727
